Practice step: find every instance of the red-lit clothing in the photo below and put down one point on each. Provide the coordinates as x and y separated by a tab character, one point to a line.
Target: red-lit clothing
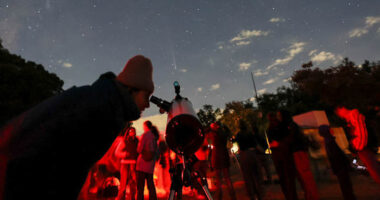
358	141
220	161
148	143
145	168
359	134
219	153
302	162
127	150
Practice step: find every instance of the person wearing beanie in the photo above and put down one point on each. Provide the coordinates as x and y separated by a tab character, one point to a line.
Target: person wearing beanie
47	151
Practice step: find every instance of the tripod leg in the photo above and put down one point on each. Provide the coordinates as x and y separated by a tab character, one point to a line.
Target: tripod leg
172	194
176	185
203	182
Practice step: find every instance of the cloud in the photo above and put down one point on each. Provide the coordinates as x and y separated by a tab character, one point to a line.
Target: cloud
324	56
215	87
243	37
262	91
244	66
246	34
369	22
67	65
292	51
199	89
270	81
259	72
358	32
287	80
276	19
242	43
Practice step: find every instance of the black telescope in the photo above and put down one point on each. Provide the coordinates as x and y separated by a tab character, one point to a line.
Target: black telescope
184	134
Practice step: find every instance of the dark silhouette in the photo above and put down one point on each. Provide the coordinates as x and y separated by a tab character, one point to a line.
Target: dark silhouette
220	160
23	84
339	163
249	162
47	151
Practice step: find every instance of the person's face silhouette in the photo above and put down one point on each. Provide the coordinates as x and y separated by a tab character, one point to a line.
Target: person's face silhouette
141	98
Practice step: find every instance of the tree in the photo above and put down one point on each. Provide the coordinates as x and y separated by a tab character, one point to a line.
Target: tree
289	98
208	115
239	110
23	84
346	84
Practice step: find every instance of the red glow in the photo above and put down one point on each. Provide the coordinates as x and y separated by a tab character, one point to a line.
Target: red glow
356	122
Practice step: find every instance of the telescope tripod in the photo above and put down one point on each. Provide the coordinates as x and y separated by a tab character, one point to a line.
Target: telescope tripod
183	175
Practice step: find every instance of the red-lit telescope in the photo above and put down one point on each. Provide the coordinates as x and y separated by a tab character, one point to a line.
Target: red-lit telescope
184	133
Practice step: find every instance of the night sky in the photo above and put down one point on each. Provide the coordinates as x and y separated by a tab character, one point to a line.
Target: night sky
210	47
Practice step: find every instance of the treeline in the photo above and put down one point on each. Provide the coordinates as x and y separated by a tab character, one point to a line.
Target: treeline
311	88
23	84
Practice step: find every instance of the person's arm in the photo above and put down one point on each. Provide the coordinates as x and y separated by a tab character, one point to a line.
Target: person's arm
119	152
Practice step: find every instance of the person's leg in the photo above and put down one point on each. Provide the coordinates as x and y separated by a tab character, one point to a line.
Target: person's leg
123	181
151	187
218	184
247	175
140	185
284	165
227	179
345	184
369	159
132	181
305	176
265	163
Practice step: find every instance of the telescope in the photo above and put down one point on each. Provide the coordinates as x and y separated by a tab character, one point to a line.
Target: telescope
184	136
184	133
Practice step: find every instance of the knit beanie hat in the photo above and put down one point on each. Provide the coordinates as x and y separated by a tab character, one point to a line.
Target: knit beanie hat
137	73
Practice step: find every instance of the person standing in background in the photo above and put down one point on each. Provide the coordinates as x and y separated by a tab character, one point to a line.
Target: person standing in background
249	162
360	139
127	152
279	141
300	154
220	160
148	155
339	163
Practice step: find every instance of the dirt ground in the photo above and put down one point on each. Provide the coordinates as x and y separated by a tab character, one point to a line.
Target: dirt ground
364	187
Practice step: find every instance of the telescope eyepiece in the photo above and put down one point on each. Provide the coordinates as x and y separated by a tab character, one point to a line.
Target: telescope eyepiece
160	103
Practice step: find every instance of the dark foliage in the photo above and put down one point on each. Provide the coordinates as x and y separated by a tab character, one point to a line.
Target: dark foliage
23	84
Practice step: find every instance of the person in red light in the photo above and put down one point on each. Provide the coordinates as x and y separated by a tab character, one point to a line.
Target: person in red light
127	151
300	155
201	166
220	161
148	155
47	151
358	139
280	140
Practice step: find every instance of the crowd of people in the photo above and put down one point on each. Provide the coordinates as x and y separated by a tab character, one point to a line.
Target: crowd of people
60	140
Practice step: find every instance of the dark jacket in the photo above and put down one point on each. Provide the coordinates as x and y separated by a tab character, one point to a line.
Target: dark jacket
131	147
48	150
